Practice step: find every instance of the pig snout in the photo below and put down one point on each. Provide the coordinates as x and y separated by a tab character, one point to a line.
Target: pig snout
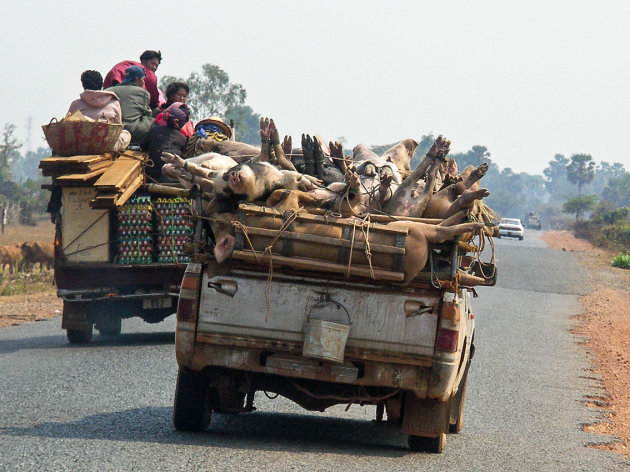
235	179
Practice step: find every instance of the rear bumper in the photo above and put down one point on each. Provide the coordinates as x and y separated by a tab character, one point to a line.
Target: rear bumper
286	360
75	276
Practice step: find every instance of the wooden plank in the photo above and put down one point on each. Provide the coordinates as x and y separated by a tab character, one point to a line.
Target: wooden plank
111	199
380	218
74	169
311	238
131	189
320	219
120	173
79	178
319	266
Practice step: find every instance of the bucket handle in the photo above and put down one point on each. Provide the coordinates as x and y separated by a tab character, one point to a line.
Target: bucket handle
339	305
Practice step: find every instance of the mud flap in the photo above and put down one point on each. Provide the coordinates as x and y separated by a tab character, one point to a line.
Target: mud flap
77	315
428	418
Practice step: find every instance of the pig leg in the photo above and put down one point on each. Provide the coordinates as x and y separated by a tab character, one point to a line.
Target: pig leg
336	150
419	238
281	157
398	204
307	151
318	157
265	140
466	201
475	175
291	199
287	145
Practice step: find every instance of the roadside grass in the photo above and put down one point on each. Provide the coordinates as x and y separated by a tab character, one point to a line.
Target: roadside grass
26	283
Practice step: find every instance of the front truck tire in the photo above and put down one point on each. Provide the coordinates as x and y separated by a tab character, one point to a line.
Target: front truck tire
191	410
426	422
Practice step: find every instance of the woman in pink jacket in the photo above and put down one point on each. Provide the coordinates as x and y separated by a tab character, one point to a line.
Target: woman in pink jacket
99	104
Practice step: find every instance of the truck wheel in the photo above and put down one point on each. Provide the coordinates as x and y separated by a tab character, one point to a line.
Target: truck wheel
79	336
520	238
191	410
457	405
111	327
422	443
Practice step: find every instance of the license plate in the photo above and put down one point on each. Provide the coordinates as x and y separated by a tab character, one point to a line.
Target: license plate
153	303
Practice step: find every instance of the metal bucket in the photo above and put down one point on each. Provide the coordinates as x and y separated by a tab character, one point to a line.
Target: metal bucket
325	339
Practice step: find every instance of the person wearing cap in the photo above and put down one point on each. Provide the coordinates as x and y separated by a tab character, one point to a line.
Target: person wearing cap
166	139
134	103
149	61
206	134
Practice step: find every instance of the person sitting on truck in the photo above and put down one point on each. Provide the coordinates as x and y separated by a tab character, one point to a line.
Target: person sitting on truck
149	61
100	105
176	92
134	102
166	139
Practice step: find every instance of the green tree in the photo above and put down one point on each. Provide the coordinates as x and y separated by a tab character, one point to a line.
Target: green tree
578	205
246	124
556	181
618	190
9	147
581	170
27	165
211	92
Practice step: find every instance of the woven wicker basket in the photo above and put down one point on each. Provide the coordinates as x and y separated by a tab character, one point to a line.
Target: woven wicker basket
73	138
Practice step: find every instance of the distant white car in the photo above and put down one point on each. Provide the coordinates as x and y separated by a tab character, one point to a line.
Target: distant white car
511	228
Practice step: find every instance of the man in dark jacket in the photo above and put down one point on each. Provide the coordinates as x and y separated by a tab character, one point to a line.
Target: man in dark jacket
134	102
166	139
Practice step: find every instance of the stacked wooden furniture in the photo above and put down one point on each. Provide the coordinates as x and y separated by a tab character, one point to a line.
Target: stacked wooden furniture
120	181
321	243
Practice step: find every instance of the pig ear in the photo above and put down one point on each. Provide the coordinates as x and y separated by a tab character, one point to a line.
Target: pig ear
223	247
206	185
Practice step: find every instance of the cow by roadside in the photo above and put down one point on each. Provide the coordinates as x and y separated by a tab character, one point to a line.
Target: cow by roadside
38	251
10	256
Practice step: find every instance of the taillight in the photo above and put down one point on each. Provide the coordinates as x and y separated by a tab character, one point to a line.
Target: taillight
446	340
189	293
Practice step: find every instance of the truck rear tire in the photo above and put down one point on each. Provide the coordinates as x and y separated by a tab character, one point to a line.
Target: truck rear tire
191	409
111	327
457	405
422	443
79	336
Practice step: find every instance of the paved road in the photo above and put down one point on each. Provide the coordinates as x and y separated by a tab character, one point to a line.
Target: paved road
108	406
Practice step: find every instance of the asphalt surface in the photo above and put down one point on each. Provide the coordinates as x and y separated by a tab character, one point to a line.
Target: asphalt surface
108	406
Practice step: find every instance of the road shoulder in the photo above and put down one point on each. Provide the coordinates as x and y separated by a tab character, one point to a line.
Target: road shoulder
605	327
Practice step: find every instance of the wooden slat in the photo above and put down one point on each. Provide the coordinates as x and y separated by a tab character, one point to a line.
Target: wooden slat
376	218
320	219
312	238
119	174
78	178
319	266
131	189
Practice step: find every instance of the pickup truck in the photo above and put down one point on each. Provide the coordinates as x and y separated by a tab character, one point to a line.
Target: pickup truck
98	285
407	349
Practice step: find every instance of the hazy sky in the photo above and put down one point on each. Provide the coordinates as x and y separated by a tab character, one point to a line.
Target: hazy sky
527	79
